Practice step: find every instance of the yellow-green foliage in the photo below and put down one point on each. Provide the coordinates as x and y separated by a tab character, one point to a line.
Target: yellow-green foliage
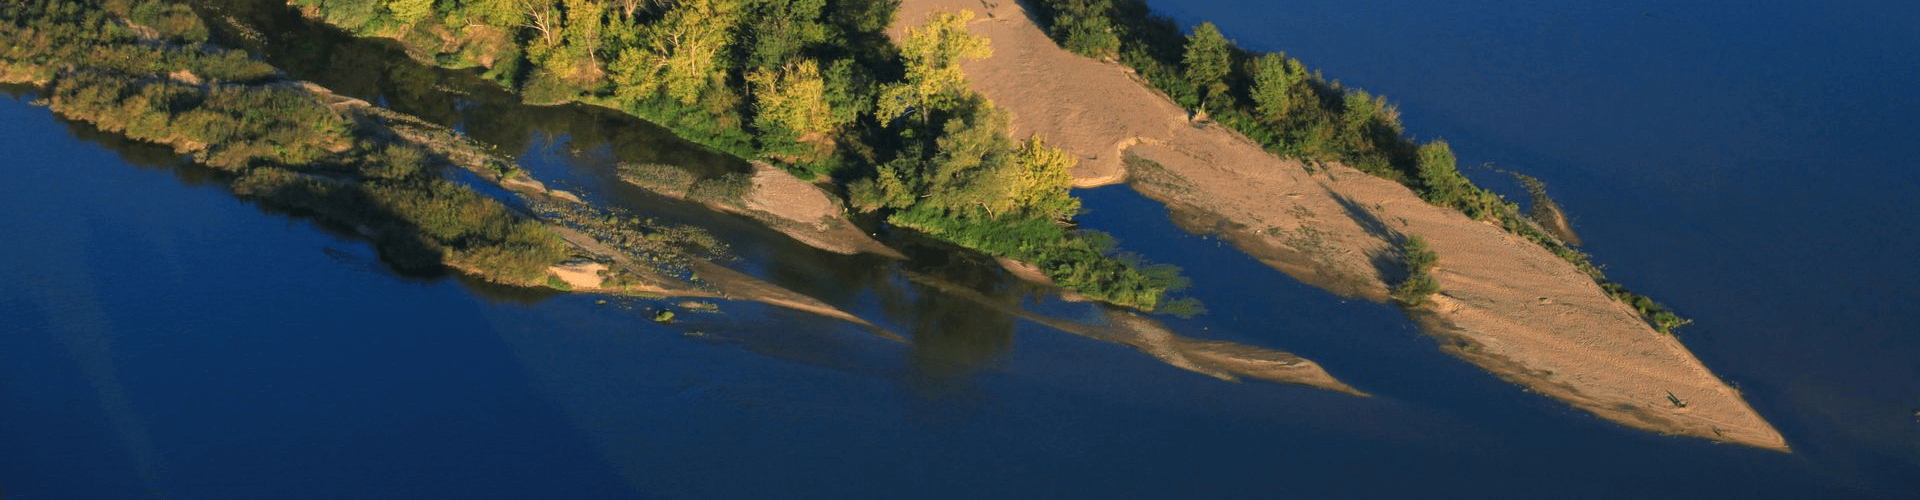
933	53
793	99
982	191
1044	183
682	53
410	11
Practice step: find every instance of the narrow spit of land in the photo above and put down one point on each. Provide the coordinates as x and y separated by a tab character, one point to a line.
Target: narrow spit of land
1506	304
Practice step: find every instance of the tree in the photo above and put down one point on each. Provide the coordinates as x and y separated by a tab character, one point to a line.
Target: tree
1083	26
790	104
1044	184
578	60
972	169
630	7
781	29
933	53
410	11
973	172
543	16
1207	62
1444	184
1279	84
680	54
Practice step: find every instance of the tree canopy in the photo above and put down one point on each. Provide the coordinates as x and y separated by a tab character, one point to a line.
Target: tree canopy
1207	62
933	53
681	54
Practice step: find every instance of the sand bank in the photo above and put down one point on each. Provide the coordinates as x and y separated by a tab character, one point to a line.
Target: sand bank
776	199
1506	304
717	281
1223	360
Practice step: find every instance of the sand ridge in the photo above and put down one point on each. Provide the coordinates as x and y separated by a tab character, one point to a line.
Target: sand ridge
804	212
1227	361
719	281
1506	304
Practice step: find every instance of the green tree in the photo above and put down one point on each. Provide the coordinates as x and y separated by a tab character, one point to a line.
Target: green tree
681	54
972	169
792	99
1084	27
779	30
1441	177
582	35
791	106
630	7
1044	182
410	11
933	54
1207	62
971	175
1279	84
544	17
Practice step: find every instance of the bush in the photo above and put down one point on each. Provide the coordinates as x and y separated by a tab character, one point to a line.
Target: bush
1420	284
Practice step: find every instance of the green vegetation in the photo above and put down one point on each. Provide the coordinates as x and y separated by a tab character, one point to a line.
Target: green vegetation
780	80
814	86
1419	285
1083	27
729	189
934	80
140	68
1275	101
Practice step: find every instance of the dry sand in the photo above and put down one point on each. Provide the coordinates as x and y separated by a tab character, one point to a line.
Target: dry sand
584	275
803	211
782	202
1506	304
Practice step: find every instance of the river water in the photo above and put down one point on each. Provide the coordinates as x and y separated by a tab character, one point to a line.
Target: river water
1744	163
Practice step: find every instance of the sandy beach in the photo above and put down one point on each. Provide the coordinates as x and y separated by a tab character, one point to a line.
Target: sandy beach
1506	304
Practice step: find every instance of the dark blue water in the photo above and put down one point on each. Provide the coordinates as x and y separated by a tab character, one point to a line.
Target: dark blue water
1750	163
167	341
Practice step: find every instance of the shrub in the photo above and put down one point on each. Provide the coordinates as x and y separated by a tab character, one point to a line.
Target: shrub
1420	284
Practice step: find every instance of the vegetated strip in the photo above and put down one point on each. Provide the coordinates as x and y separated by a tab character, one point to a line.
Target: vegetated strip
813	86
143	69
1275	101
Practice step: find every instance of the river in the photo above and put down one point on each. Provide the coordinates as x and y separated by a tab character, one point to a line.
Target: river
1745	164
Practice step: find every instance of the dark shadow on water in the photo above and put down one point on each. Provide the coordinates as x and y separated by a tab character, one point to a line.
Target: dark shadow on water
398	256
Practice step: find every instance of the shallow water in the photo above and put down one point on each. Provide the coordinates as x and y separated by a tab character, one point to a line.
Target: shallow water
169	341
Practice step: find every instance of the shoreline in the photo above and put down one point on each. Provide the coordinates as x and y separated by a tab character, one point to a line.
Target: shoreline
366	126
1506	304
722	283
1223	360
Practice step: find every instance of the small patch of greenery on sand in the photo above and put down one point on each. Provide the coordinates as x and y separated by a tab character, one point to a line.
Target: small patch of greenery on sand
1419	286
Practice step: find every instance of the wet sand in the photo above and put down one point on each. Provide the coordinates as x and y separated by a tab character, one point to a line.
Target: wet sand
1223	360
